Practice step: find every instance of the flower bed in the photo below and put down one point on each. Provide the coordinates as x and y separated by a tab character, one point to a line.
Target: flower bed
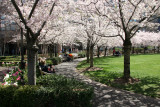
9	64
14	77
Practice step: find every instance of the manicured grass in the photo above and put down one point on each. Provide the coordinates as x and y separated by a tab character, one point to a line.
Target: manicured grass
144	67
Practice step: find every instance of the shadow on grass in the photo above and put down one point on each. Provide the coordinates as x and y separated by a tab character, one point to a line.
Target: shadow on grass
97	61
149	86
103	76
82	64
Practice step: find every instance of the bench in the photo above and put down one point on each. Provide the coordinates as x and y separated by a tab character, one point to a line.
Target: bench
44	73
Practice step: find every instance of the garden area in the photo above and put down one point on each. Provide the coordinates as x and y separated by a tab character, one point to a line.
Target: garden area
36	36
50	89
145	68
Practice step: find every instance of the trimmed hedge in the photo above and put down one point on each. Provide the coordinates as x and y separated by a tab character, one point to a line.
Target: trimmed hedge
50	91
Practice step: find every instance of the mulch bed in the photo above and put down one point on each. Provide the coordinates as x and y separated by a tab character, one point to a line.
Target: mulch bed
129	81
89	69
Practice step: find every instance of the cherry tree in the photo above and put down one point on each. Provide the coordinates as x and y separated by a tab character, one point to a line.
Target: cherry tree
146	39
34	15
129	16
92	26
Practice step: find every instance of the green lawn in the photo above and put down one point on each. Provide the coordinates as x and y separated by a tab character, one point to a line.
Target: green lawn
144	67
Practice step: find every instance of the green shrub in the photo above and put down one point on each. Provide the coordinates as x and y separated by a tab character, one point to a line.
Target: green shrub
68	92
50	91
6	95
82	54
55	60
49	62
26	95
38	73
2	57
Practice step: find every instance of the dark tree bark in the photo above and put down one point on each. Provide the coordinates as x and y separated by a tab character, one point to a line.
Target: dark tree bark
22	65
55	50
4	48
158	50
144	49
98	51
88	50
51	51
127	49
31	55
154	49
105	51
133	51
91	55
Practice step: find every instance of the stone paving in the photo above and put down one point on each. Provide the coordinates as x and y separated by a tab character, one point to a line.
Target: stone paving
106	96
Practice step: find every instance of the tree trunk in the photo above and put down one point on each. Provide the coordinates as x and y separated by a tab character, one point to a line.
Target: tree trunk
91	56
55	50
51	50
4	49
133	51
98	51
105	51
88	50
31	56
144	50
127	49
158	50
22	65
154	49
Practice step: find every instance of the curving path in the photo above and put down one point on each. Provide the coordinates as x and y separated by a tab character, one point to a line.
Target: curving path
106	96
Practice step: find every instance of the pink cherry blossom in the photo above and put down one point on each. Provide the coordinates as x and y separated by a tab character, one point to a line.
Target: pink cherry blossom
4	83
19	78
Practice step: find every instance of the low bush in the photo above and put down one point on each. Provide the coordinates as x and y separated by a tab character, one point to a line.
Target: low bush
55	60
82	54
50	91
2	57
68	92
7	95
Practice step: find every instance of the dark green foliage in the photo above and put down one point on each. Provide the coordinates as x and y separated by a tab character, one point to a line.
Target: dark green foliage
38	73
6	95
68	92
82	54
55	60
2	57
51	91
26	96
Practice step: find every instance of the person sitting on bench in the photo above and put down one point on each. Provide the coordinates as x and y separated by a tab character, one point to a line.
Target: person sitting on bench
44	67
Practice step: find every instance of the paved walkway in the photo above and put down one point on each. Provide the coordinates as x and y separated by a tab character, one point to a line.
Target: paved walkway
106	96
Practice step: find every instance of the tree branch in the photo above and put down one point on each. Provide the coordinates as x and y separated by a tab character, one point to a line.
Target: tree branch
19	12
121	16
34	6
133	11
42	26
102	35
